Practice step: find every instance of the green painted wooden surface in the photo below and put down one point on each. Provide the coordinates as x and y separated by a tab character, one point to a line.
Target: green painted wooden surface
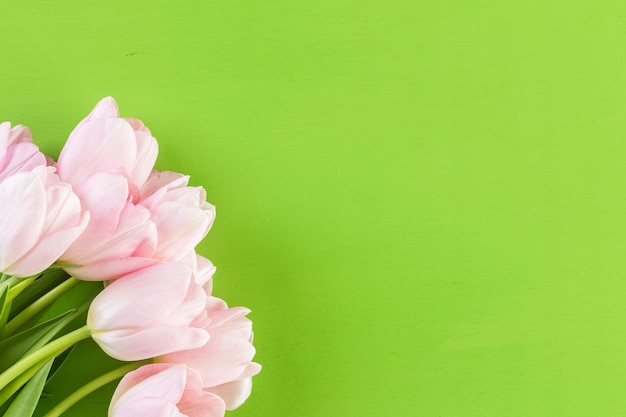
423	203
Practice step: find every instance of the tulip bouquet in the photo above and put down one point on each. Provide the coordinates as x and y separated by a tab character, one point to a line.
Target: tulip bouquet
102	213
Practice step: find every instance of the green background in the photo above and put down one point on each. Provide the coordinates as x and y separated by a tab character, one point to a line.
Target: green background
423	203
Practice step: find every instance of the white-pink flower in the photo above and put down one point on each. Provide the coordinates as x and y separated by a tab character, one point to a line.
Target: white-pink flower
225	361
180	212
18	153
164	390
40	217
107	159
139	216
104	142
120	237
148	313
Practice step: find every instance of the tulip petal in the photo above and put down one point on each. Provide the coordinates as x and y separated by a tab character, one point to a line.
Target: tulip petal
169	283
104	195
5	129
47	250
201	404
21	157
153	390
204	272
149	342
120	237
180	228
104	109
147	406
100	145
160	380
222	359
233	393
110	269
147	150
159	182
22	214
20	134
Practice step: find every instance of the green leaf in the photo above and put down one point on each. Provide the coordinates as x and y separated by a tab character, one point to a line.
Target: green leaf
36	290
16	346
25	403
5	307
59	361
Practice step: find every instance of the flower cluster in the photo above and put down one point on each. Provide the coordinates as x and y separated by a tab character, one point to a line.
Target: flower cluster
102	213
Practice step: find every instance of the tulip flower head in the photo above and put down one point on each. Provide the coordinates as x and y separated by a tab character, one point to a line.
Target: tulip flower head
180	212
225	361
107	159
40	217
148	313
166	390
104	142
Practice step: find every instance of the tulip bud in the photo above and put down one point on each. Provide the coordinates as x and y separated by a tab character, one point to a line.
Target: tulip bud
164	390
148	313
225	361
104	142
40	217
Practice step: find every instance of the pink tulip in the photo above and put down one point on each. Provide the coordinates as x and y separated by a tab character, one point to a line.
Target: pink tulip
224	362
18	153
181	214
104	142
40	217
148	313
203	272
120	237
164	390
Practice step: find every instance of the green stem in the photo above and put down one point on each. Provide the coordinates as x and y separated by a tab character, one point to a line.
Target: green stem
39	305
45	353
97	383
21	285
17	383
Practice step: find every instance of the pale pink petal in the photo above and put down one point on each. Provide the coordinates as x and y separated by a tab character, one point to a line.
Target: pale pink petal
229	320
47	250
134	236
222	359
149	342
160	380
20	134
64	208
21	157
153	390
233	393
5	129
100	145
105	196
109	269
201	404
161	181
147	150
117	233
169	283
104	109
22	215
203	273
180	228
148	407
